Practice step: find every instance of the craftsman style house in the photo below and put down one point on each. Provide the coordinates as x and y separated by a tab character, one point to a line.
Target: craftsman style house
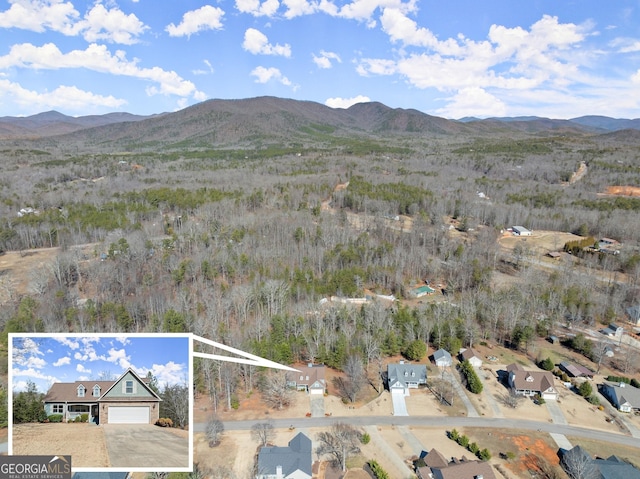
127	400
309	378
531	383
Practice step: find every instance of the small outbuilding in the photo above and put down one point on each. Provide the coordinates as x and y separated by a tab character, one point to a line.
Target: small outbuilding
521	231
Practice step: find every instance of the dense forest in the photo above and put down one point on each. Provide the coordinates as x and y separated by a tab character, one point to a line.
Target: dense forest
237	236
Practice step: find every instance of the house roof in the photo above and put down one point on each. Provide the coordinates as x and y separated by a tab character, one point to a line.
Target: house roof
625	394
295	456
309	374
441	354
611	468
140	381
575	370
459	468
406	372
68	392
469	353
532	380
434	458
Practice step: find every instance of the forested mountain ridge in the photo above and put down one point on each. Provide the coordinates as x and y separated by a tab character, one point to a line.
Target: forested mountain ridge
254	120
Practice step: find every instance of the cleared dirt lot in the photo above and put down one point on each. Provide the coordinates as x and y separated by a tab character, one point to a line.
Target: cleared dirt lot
84	442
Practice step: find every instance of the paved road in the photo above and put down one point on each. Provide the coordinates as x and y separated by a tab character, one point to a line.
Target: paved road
438	421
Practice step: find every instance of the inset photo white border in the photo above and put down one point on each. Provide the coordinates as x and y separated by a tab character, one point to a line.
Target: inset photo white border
101	367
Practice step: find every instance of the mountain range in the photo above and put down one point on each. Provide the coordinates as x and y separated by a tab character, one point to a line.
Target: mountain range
247	121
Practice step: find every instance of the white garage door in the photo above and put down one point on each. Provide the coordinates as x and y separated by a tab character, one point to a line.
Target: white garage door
128	414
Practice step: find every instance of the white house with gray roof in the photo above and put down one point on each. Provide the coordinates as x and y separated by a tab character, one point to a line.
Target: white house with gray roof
624	397
404	376
290	462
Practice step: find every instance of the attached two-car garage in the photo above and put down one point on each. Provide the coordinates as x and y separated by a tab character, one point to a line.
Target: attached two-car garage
128	415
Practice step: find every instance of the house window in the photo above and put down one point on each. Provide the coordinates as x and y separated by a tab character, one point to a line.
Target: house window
128	387
58	409
80	408
96	391
81	390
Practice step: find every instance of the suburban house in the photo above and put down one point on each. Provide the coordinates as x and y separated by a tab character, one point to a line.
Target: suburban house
442	358
437	467
290	462
403	376
578	461
624	397
575	370
530	383
310	378
472	356
613	330
127	400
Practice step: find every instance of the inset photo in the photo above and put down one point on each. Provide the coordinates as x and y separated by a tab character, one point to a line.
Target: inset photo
110	401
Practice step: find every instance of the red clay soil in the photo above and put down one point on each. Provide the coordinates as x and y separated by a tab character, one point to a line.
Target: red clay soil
622	191
532	451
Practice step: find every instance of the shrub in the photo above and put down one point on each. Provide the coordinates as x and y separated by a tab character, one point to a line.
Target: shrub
473	381
473	447
485	455
546	364
593	399
463	441
585	390
77	419
164	422
365	438
84	417
377	470
235	402
454	435
55	418
618	379
635	383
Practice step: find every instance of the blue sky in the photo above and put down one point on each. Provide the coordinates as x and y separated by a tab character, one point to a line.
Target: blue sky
557	59
65	358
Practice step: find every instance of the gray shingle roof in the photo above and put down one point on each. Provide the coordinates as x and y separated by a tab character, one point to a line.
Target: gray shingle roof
295	456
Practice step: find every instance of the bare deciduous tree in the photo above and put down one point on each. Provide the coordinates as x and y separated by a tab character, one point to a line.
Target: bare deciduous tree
263	432
355	378
340	442
175	404
275	391
214	431
578	464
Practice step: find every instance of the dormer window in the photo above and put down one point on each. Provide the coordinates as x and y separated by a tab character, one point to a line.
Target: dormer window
406	373
96	391
81	391
413	374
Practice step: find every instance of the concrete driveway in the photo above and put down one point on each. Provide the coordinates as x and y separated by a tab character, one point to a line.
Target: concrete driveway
399	404
144	445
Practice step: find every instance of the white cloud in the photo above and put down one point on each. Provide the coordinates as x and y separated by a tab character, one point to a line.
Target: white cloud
346	102
63	361
257	42
325	58
70	98
97	58
99	23
264	75
254	7
40	15
170	373
81	369
112	25
70	343
32	373
473	101
119	357
203	18
209	69
512	58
